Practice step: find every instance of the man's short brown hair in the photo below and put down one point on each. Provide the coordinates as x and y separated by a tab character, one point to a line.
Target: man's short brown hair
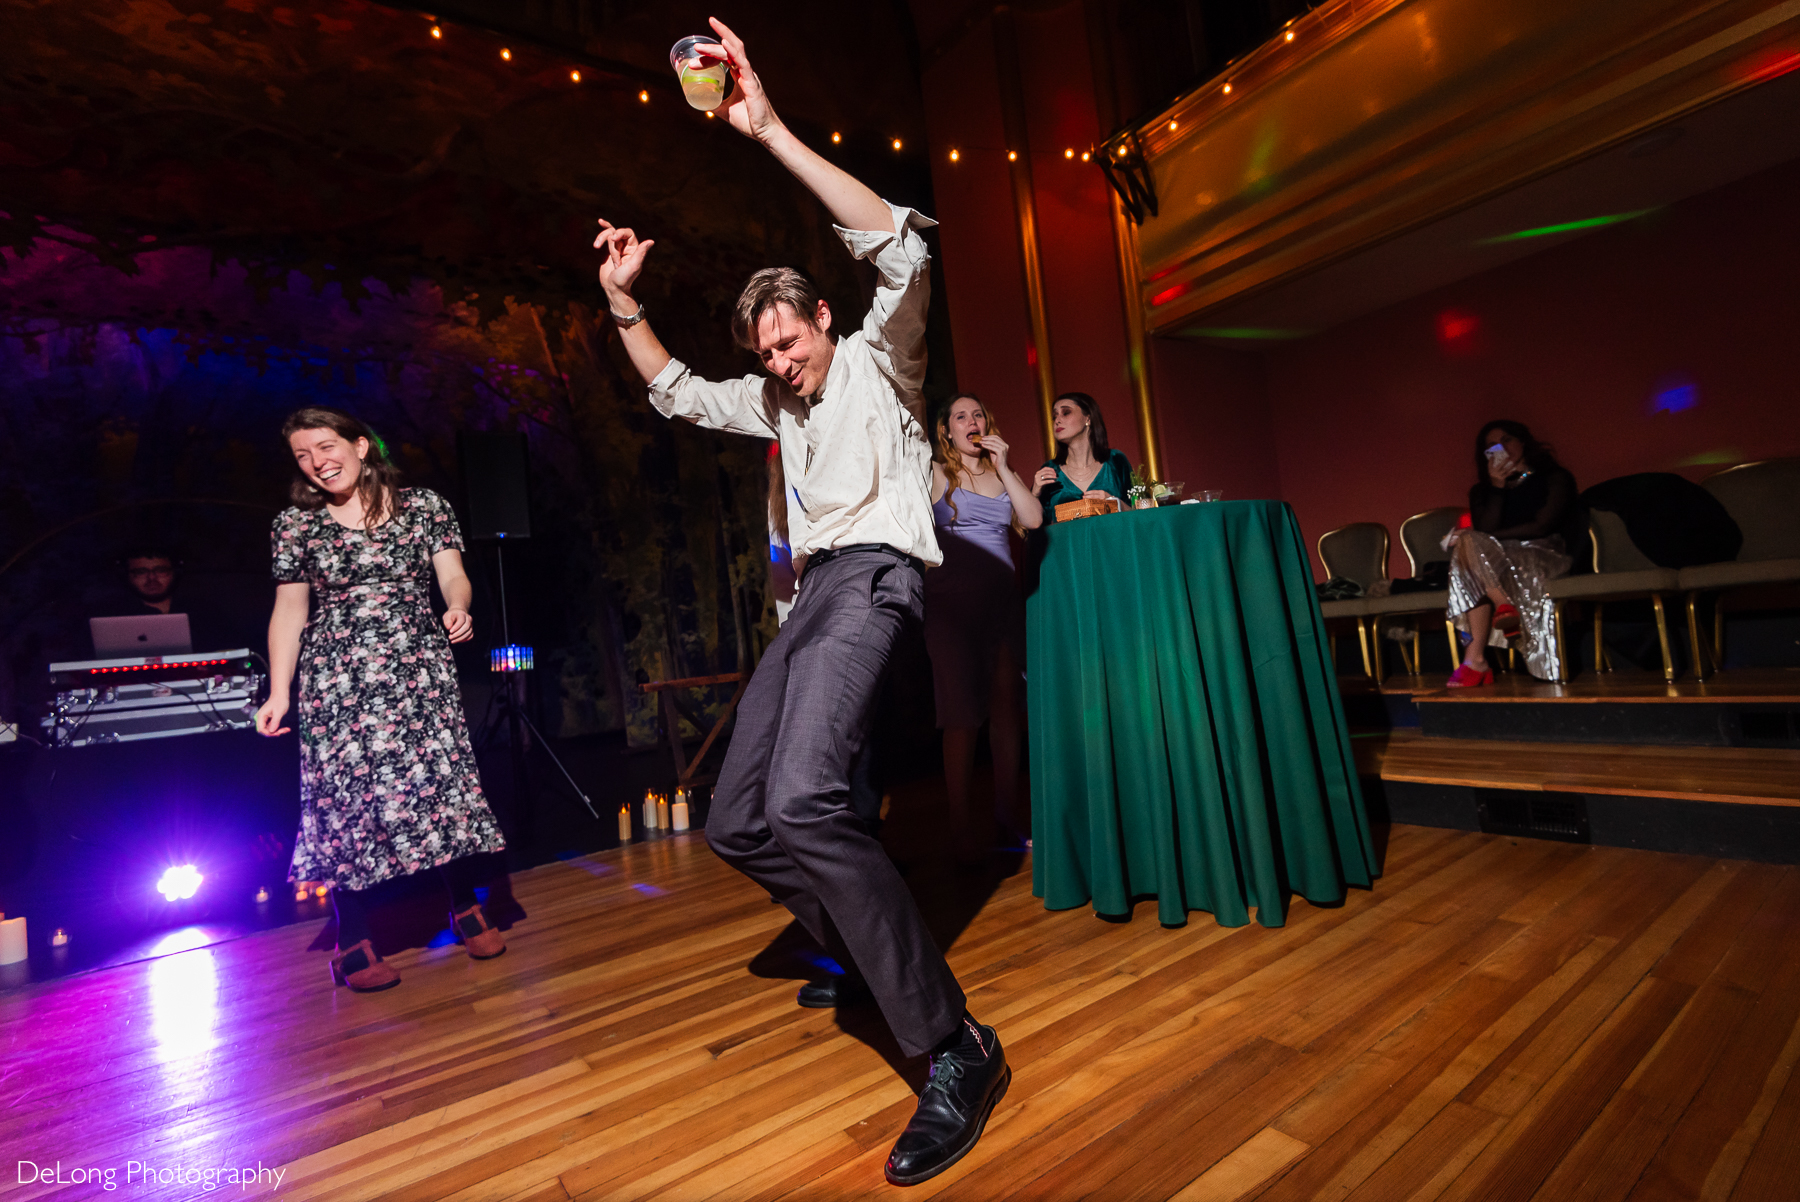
770	287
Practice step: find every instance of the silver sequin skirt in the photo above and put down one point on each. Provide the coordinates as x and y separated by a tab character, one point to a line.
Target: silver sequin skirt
1521	570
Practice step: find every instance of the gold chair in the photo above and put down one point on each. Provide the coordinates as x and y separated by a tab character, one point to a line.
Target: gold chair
1356	552
1764	500
1421	537
1621	572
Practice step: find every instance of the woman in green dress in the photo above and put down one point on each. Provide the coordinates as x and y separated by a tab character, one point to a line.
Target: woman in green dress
1085	463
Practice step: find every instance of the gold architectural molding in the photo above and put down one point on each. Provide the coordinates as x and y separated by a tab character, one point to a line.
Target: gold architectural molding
1381	116
1012	114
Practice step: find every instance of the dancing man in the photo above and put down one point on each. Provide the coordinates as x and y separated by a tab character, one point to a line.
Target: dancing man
850	420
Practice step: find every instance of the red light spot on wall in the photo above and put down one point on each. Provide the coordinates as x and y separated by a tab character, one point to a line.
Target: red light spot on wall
1456	329
1169	294
1771	65
1031	354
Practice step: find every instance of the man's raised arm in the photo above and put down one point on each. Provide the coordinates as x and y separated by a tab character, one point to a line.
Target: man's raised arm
624	262
852	203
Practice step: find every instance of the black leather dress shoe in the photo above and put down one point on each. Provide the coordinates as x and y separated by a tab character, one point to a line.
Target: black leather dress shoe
966	1084
831	992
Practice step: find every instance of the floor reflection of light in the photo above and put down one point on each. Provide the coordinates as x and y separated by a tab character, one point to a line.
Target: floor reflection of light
184	1002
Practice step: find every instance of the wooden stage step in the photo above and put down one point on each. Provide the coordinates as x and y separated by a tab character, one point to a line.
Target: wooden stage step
1496	1019
1751	776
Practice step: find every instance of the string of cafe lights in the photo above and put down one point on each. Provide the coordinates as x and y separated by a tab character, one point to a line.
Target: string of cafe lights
956	154
574	74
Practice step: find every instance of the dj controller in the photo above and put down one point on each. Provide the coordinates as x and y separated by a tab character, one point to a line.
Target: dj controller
152	697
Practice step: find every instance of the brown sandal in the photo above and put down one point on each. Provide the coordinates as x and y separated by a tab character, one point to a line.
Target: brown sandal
363	969
482	941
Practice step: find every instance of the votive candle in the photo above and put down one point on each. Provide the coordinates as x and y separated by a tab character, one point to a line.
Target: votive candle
624	824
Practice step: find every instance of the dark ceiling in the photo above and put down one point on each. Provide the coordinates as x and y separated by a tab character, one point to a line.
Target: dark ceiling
344	140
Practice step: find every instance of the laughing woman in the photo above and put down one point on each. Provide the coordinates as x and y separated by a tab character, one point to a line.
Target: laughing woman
387	777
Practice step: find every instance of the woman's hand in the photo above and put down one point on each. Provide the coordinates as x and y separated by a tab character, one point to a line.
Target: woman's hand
459	624
269	716
1098	494
624	260
748	110
995	448
1046	476
1498	472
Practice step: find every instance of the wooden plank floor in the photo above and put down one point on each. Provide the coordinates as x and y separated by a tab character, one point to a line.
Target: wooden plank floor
1740	686
1742	775
1498	1019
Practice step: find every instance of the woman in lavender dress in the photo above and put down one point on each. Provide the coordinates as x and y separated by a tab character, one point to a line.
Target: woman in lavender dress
975	613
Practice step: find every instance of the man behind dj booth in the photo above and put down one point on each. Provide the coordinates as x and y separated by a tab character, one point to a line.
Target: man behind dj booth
151	579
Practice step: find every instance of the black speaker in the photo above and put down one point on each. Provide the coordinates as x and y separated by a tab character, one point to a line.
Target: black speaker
494	472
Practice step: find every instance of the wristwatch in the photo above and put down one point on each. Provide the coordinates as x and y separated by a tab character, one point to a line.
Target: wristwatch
625	323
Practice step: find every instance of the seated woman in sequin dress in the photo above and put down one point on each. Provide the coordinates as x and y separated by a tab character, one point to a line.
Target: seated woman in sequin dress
1525	520
388	785
975	613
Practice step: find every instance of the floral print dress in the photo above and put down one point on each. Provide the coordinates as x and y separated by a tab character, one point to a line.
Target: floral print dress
387	777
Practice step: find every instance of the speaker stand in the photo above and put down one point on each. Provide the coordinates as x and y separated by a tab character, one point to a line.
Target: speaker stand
506	705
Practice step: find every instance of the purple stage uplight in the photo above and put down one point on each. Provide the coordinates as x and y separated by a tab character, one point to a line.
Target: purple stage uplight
1674	394
179	883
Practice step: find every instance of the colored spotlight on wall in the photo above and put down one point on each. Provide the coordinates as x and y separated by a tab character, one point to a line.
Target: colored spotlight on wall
1674	394
1564	227
1457	329
179	883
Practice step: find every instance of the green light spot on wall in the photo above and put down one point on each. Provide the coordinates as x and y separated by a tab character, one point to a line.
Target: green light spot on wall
1544	231
1245	333
1723	455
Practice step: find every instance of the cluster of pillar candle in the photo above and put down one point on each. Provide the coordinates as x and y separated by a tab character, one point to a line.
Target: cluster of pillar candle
660	814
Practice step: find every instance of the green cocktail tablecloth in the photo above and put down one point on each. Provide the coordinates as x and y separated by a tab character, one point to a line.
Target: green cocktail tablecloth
1187	738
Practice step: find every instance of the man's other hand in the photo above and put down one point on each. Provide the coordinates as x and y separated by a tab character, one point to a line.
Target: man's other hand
623	263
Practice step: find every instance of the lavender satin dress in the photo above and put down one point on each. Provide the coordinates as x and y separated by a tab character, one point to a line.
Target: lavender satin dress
973	606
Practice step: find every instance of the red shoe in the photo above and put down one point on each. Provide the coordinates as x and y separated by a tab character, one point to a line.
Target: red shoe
1506	620
482	941
362	968
1466	677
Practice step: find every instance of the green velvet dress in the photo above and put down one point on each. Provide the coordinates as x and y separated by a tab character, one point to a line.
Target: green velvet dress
1114	477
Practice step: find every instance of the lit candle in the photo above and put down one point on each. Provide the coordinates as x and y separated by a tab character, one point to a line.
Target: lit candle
649	810
662	813
624	824
680	816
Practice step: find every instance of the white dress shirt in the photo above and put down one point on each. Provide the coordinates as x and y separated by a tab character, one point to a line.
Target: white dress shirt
856	456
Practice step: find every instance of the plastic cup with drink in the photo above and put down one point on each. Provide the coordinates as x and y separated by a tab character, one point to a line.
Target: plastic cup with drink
705	80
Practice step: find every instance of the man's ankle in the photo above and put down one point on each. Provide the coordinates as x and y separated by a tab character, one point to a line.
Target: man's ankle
966	1037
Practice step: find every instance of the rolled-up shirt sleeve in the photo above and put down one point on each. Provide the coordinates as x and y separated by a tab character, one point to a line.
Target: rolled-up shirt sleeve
895	326
742	406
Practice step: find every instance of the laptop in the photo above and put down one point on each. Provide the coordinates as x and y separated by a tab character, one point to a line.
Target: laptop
146	634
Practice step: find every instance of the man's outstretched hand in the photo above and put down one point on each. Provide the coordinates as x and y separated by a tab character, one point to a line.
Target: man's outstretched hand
623	263
748	110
